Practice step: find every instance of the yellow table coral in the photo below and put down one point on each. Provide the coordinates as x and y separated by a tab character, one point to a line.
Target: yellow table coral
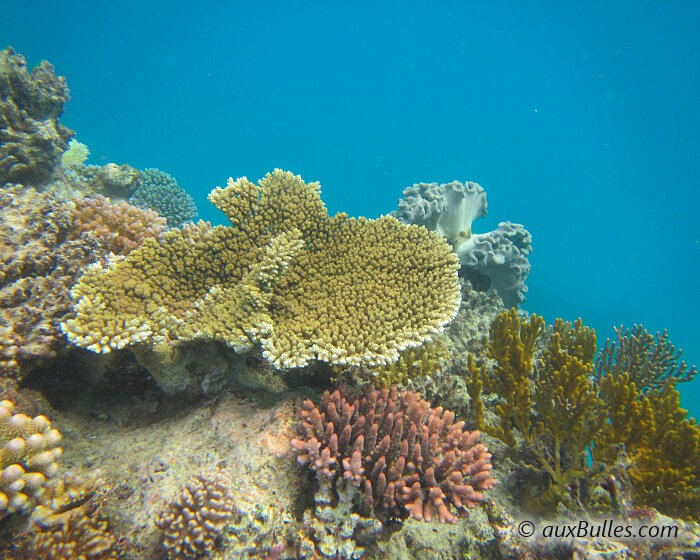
285	275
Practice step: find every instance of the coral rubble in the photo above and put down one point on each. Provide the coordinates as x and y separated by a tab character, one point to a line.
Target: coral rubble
497	259
31	138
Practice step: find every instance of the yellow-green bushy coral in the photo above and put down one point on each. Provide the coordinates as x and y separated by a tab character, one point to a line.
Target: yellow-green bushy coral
662	443
284	274
413	363
29	448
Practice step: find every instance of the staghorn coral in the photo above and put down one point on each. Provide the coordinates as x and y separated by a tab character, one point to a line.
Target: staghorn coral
38	264
191	522
649	361
497	259
31	138
28	453
404	458
303	285
121	226
159	191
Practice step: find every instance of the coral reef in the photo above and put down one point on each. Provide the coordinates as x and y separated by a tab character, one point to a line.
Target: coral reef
38	264
650	361
160	191
286	275
31	138
121	226
193	520
111	180
497	259
406	459
29	448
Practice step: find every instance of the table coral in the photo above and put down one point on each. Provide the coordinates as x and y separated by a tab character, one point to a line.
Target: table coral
31	138
29	448
406	458
303	285
192	521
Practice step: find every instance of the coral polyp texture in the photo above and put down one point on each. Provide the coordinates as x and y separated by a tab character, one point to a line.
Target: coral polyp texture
76	534
40	259
406	458
192	521
29	448
285	275
121	226
31	138
161	192
494	260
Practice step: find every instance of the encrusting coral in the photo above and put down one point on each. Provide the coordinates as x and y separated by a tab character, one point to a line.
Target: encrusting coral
31	138
496	260
159	191
121	226
39	262
303	285
29	448
405	458
192	521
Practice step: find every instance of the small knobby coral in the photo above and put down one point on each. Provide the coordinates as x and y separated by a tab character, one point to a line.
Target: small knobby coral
406	458
121	226
192	521
29	448
161	192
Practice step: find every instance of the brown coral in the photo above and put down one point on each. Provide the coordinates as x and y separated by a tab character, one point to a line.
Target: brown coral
38	265
192	521
286	275
76	534
408	460
31	138
120	225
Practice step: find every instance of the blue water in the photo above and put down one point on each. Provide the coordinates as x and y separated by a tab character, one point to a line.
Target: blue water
581	120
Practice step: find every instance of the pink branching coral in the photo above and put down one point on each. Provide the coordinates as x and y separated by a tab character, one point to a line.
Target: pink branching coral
122	226
406	458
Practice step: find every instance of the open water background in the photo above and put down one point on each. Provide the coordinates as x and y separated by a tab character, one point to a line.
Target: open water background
581	120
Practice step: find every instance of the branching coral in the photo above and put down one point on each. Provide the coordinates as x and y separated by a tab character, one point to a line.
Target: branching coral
159	191
405	458
192	521
31	138
286	275
497	259
121	226
649	360
29	448
76	534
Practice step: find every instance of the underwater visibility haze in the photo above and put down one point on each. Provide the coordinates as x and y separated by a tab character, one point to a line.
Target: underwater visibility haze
313	385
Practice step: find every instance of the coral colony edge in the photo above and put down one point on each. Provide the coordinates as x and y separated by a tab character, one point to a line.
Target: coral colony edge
299	385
